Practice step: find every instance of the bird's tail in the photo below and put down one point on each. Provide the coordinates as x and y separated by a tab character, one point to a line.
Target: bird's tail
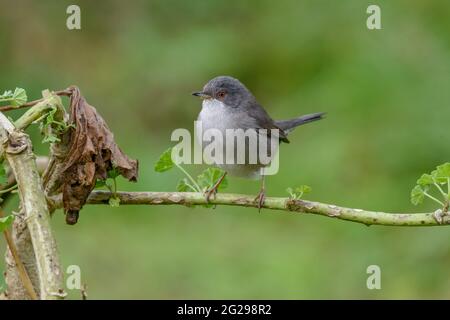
289	125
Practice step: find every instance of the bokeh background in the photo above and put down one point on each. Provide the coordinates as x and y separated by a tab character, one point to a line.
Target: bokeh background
388	102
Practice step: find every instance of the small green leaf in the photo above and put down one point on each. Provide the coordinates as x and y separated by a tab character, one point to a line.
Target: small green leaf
114	201
184	186
425	180
6	222
417	195
113	173
50	139
165	161
437	178
298	192
16	98
19	97
209	177
304	189
6	94
443	171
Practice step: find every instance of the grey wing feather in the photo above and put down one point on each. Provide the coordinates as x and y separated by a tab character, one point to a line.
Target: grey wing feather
264	121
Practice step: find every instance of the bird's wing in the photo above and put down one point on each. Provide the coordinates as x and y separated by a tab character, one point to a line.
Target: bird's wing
264	121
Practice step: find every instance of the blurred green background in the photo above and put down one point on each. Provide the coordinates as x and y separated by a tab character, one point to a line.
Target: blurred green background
387	96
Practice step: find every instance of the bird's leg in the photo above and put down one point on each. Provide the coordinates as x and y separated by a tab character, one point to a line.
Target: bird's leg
213	190
261	195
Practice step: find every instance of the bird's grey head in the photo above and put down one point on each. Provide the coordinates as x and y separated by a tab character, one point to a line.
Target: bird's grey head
228	90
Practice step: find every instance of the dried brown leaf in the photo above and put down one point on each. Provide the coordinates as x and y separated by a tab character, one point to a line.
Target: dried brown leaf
91	153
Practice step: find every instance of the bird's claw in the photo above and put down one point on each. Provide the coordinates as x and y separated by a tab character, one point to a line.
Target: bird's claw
260	198
213	190
210	192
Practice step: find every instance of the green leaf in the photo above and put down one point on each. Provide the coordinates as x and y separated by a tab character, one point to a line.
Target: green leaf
16	98
51	128
6	222
184	186
114	201
113	173
19	97
304	189
437	178
51	138
443	171
425	180
299	191
3	177
209	177
6	94
417	195
165	161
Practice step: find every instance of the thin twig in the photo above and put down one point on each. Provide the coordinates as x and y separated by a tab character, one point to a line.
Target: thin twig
6	190
26	281
83	290
434	199
65	92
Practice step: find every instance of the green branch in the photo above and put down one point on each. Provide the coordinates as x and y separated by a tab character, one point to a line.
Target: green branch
273	203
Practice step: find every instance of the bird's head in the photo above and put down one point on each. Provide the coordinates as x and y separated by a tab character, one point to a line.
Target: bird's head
230	91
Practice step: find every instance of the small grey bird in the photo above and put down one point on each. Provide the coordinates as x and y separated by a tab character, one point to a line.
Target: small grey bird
228	104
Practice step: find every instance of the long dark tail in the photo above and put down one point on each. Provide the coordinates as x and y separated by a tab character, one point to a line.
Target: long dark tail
289	125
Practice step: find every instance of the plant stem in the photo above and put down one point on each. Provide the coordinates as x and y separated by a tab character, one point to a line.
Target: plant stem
433	198
440	190
9	189
115	185
189	177
448	188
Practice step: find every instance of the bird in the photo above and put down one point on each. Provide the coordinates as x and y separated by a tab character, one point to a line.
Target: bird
228	104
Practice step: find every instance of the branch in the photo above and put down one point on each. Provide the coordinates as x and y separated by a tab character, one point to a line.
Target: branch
22	272
40	108
285	204
18	151
33	103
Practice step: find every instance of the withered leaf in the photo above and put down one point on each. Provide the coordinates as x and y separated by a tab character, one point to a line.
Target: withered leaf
91	153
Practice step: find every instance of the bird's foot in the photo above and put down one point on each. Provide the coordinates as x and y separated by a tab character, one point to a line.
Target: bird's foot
213	190
210	192
259	199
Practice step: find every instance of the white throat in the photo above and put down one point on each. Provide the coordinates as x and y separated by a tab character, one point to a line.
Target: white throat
215	114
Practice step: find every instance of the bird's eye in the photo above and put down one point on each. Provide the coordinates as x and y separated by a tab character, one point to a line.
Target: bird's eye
221	94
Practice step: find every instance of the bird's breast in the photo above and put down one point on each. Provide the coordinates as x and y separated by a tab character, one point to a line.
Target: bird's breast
216	115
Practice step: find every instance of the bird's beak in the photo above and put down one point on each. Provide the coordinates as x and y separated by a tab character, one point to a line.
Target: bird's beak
202	95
